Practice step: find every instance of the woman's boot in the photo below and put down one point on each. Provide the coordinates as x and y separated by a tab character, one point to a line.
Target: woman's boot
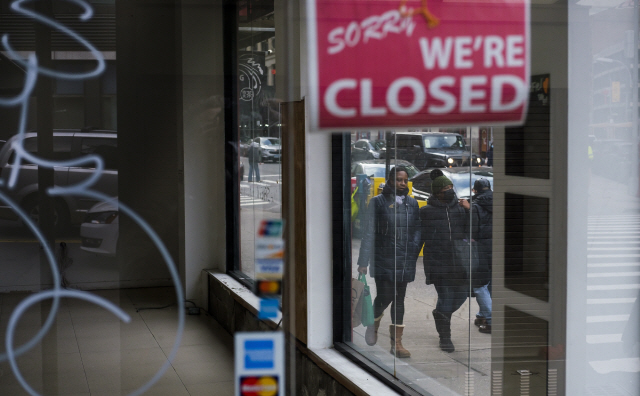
371	335
443	326
395	332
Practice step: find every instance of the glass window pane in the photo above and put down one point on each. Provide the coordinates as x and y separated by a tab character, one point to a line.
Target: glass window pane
259	136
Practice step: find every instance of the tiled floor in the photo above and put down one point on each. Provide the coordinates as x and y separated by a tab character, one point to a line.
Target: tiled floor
90	352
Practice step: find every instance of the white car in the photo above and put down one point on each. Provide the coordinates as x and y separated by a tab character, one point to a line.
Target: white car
269	147
69	210
99	231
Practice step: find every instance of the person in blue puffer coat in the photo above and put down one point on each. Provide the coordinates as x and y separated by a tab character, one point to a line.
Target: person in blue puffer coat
390	243
483	208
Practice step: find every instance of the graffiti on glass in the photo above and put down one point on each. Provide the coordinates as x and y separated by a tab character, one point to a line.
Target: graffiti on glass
33	71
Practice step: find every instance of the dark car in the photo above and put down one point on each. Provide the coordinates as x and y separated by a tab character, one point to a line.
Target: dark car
432	149
459	176
365	149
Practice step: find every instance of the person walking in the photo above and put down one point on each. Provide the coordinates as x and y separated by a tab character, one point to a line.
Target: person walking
445	233
490	155
390	243
254	160
483	206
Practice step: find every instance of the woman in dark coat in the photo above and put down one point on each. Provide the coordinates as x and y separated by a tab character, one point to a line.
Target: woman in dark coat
445	230
390	242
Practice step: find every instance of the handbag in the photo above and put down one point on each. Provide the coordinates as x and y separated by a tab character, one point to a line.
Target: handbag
367	304
466	261
357	291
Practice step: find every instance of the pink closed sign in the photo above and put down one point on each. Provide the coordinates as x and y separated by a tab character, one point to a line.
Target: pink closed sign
399	63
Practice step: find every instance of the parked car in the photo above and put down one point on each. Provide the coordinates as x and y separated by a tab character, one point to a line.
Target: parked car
459	176
432	149
376	168
365	149
269	148
67	144
100	228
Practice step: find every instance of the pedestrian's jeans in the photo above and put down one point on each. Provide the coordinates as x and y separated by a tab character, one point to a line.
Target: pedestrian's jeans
483	297
252	168
451	297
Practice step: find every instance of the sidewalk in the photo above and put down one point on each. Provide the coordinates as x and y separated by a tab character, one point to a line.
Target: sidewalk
429	367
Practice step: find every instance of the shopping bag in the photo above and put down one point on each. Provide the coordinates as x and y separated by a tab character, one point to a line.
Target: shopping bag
354	205
357	290
367	304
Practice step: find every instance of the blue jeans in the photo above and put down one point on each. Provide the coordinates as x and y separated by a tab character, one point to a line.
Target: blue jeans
483	297
254	168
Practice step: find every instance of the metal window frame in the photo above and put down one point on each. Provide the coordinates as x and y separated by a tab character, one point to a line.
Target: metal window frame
231	135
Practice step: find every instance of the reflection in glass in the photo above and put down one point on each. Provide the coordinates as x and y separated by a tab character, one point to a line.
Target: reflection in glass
526	253
429	289
259	144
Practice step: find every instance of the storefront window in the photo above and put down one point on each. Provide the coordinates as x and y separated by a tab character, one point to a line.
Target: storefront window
556	309
89	211
406	230
259	146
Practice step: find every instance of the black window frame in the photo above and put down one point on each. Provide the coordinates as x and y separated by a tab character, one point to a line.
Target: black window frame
232	136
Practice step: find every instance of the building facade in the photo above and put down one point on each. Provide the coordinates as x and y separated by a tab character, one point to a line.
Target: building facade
212	139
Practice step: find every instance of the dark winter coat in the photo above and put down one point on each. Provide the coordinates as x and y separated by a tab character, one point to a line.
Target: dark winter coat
253	154
490	156
445	234
391	238
483	205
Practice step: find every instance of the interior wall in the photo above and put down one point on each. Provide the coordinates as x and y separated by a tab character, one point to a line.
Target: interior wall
293	85
149	121
203	225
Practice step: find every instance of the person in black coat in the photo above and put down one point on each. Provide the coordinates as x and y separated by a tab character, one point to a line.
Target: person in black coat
254	161
483	207
445	234
390	242
490	155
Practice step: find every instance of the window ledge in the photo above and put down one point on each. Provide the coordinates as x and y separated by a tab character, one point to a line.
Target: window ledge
349	374
334	363
244	296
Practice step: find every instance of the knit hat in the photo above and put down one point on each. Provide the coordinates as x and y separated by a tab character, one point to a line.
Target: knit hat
439	183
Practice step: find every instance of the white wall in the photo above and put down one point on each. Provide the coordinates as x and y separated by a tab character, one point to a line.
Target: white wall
204	144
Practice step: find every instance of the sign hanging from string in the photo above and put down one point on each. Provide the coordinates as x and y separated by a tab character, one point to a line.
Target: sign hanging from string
400	63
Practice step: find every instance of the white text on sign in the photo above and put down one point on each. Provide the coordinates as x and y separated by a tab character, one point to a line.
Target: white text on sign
474	92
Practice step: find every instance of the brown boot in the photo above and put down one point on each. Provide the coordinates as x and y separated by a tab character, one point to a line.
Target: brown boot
371	335
395	333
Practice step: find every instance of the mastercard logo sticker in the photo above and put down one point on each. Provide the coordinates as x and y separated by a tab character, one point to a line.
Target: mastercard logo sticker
269	287
259	386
